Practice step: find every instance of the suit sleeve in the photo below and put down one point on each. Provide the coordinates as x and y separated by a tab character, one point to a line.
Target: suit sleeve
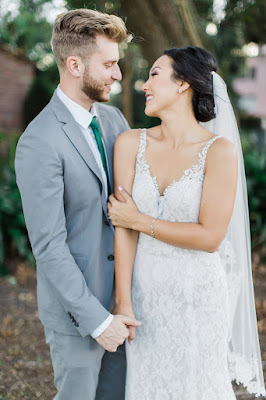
39	172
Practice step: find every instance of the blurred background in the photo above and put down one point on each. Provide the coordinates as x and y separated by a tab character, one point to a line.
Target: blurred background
234	31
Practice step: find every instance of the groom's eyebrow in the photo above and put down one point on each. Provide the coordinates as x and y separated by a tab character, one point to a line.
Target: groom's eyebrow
113	59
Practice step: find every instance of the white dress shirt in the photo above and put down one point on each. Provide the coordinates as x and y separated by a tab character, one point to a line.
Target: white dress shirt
84	117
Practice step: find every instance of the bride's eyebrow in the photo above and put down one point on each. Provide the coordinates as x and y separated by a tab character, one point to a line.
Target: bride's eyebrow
154	69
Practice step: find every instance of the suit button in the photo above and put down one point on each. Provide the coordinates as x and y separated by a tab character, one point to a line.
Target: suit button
111	257
106	223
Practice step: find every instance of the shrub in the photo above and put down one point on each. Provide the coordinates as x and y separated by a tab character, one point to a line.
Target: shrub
13	234
255	166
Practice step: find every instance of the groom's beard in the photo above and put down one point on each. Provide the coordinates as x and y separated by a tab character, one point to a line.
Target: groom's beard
93	88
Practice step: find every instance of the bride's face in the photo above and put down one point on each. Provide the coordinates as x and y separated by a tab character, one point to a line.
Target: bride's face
161	91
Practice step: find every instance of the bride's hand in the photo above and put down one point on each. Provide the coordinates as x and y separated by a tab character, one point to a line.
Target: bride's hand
123	214
122	310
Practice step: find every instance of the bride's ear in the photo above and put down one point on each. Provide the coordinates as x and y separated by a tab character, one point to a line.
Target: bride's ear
182	86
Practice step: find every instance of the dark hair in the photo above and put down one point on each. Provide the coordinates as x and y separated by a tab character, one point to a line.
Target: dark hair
194	65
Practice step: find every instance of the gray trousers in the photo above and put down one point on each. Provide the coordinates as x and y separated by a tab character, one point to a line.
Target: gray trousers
86	372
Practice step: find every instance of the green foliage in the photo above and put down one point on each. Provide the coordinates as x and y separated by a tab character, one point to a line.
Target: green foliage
204	8
244	21
28	32
13	234
255	166
251	16
40	93
249	121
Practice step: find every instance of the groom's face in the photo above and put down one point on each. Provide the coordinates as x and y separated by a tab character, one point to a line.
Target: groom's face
101	70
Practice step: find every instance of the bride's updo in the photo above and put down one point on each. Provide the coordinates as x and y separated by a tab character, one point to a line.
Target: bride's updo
194	65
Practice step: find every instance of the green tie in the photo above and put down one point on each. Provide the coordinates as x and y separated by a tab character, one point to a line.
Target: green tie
98	137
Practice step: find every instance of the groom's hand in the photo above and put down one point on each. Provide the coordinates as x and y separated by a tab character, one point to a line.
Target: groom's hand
116	333
126	310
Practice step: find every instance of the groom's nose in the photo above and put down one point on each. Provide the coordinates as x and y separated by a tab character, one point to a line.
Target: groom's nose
116	73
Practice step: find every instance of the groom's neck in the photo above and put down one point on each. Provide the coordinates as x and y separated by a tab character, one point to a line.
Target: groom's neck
74	92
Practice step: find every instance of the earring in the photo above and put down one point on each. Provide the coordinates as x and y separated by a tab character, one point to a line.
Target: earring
180	91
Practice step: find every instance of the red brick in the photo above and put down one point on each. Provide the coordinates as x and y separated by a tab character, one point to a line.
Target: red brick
16	76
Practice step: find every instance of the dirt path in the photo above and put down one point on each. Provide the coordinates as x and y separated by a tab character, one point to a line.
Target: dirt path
25	367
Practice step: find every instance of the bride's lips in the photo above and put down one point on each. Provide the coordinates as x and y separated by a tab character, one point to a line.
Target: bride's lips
149	97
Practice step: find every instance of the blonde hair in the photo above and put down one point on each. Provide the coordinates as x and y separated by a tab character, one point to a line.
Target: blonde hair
75	31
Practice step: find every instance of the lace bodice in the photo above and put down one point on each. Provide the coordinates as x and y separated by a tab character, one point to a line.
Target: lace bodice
180	201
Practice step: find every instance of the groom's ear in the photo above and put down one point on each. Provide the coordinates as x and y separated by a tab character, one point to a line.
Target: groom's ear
75	66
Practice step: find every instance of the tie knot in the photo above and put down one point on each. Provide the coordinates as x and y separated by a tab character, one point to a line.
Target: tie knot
94	123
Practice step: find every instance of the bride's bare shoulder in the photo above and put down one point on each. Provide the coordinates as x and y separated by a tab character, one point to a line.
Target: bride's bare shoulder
129	135
128	142
221	145
222	152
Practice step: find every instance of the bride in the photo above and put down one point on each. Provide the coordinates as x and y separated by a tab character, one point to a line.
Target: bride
182	247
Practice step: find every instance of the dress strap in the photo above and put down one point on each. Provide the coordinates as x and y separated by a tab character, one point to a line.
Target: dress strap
204	152
142	143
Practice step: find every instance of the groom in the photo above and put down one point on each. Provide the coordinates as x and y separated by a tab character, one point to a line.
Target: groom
64	173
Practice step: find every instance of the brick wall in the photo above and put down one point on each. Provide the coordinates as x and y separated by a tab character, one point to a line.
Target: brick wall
16	76
254	86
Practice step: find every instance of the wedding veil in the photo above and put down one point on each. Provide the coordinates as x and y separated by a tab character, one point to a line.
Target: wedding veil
244	356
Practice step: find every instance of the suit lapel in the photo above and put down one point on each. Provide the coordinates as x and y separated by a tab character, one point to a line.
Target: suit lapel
78	140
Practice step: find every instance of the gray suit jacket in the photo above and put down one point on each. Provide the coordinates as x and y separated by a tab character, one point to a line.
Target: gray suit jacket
66	216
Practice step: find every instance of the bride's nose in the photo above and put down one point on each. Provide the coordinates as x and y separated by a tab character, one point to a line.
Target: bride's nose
145	86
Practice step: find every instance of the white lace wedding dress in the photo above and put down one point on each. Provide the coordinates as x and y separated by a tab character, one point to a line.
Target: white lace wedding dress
180	295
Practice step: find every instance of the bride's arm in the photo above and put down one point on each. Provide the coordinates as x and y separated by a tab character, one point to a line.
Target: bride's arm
216	207
126	147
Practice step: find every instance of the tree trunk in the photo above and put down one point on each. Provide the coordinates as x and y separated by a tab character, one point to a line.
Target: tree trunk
146	27
187	12
127	93
160	24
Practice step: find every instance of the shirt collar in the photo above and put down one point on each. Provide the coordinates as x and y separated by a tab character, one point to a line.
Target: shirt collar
82	116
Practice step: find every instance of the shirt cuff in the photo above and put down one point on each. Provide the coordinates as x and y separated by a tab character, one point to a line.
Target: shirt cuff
98	331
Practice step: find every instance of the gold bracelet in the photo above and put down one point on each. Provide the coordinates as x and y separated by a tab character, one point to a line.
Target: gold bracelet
152	227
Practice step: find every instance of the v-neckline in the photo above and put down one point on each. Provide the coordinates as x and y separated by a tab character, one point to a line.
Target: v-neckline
194	166
175	181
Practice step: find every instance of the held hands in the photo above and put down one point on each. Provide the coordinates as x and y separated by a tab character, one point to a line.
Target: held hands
117	332
123	214
128	312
